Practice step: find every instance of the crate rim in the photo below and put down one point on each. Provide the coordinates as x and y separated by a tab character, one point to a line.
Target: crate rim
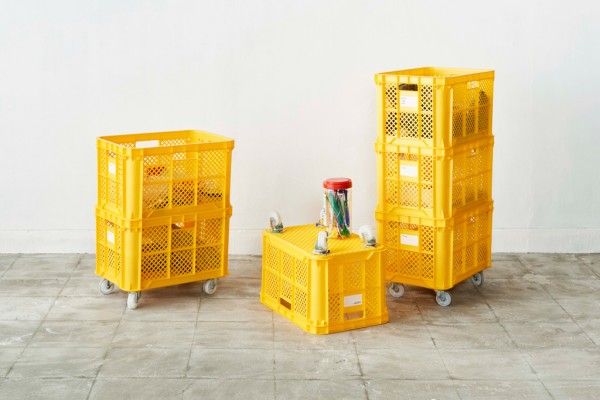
318	257
479	142
413	217
452	75
140	223
115	142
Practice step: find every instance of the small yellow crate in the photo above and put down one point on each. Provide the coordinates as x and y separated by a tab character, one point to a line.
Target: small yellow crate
436	253
161	251
322	294
434	183
155	174
434	107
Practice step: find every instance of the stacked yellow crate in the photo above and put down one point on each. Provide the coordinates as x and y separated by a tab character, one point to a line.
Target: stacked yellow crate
162	216
434	165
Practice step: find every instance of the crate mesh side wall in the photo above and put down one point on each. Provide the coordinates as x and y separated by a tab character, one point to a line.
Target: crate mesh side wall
403	123
184	179
108	248
169	180
471	110
469	242
470	172
472	243
168	250
285	280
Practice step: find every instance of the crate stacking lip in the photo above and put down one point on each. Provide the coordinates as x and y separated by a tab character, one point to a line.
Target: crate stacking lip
162	251
434	183
436	253
154	174
322	294
434	107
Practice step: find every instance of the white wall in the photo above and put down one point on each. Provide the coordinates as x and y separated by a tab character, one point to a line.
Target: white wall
292	82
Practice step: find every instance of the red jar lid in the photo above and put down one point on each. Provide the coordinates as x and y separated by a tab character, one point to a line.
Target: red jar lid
337	183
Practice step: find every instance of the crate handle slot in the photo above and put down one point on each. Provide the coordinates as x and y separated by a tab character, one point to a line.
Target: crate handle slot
144	144
285	303
354	315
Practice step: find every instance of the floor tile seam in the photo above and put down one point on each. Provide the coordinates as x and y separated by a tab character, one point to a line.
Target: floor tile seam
187	365
35	332
524	263
523	353
418	307
108	350
11	264
588	264
70	275
546	389
438	351
359	365
570	316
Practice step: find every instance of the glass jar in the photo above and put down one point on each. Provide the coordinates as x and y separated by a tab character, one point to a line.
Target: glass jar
337	207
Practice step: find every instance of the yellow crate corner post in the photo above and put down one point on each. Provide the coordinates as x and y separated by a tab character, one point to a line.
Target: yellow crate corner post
322	294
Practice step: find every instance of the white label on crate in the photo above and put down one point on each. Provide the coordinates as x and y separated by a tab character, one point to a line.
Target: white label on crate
409	170
353	300
409	240
112	167
408	101
142	144
110	237
472	84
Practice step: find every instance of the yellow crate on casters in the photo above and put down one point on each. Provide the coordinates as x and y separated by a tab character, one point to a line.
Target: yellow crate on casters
434	183
154	174
154	252
434	107
322	294
436	253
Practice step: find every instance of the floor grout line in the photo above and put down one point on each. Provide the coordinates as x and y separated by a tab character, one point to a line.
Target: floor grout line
187	365
10	265
360	369
37	329
589	265
109	348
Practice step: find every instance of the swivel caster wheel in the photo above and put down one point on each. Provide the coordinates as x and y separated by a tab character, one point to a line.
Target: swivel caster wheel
477	279
443	298
210	286
396	290
107	287
132	300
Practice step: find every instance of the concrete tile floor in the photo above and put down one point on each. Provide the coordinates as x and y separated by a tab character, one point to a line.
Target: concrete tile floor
532	331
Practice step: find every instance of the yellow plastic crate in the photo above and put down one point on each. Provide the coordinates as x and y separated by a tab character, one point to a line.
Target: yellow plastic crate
434	183
434	107
322	294
155	174
161	251
436	253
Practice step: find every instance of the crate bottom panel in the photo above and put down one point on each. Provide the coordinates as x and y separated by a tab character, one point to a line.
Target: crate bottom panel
159	252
